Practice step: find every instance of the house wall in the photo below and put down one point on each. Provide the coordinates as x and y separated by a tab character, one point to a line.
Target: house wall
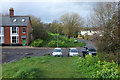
22	34
7	35
29	30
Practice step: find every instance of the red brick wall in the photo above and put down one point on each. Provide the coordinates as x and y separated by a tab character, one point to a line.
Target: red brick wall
29	30
22	34
7	35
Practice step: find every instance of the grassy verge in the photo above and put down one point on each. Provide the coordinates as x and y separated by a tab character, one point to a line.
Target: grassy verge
42	67
60	67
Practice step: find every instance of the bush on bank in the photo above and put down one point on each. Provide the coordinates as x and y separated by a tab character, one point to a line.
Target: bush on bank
97	69
37	43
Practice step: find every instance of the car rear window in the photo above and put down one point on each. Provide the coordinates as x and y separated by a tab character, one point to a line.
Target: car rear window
92	50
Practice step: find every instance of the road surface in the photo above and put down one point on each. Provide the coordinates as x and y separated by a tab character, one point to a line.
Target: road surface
12	54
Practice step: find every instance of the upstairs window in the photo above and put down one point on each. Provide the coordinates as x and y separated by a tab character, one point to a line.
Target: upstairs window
14	30
14	20
23	20
1	30
24	31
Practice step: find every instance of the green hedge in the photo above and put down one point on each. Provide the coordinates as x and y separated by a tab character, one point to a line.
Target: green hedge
53	43
37	43
94	68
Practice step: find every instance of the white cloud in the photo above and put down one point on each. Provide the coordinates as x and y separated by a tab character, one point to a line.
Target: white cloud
59	0
49	11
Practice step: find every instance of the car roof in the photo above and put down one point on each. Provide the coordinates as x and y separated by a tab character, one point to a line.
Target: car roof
73	48
57	48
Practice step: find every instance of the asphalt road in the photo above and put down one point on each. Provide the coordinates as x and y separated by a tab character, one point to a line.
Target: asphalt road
12	54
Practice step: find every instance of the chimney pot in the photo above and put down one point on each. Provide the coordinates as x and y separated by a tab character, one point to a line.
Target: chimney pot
11	12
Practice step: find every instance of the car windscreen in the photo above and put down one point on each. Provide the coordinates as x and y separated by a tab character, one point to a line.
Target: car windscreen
92	50
73	50
57	50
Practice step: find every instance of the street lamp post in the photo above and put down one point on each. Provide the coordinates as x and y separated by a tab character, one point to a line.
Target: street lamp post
57	37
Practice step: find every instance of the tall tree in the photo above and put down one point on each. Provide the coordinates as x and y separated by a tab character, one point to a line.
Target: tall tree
71	23
105	16
38	28
56	27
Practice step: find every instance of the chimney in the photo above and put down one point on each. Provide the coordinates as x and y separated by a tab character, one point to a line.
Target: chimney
11	12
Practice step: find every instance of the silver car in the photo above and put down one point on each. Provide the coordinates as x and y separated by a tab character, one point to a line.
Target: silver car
73	52
57	52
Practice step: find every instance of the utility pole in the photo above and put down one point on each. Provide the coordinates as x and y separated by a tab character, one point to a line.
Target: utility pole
57	33
57	36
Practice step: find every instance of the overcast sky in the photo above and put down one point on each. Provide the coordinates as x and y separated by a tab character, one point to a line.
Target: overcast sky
49	11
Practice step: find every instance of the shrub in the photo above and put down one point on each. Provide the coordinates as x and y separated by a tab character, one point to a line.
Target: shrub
71	40
96	68
53	43
37	43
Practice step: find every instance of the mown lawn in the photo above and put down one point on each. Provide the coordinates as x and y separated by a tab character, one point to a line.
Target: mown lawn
42	67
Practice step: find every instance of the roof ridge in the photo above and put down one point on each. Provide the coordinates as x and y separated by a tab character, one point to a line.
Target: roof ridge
15	16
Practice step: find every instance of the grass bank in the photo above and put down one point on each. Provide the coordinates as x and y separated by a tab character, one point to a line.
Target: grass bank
60	67
42	67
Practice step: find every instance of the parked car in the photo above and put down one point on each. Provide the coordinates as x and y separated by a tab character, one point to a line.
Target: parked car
75	41
57	52
73	52
92	51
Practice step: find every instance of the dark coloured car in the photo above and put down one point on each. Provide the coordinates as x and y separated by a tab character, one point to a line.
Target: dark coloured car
92	51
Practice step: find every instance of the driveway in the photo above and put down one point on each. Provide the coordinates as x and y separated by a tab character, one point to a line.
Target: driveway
10	54
89	44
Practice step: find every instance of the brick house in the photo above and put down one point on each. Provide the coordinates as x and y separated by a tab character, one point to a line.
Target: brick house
15	30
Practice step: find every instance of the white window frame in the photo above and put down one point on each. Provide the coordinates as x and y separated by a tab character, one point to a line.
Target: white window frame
15	34
2	30
17	39
1	39
2	34
17	30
